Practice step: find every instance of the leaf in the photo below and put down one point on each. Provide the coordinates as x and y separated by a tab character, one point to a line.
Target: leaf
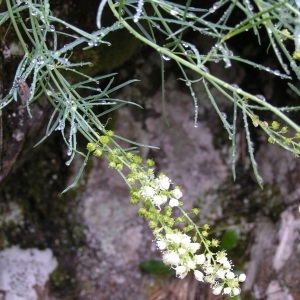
230	238
155	267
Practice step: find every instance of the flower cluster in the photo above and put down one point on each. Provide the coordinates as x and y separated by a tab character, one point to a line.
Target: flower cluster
157	191
279	135
180	251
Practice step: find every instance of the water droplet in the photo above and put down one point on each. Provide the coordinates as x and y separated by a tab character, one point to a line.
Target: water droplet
174	11
205	69
34	12
227	62
91	43
214	7
40	60
277	73
188	83
189	52
261	97
191	15
52	28
65	61
165	57
224	115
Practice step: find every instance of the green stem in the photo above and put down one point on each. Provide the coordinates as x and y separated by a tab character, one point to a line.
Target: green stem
13	20
198	70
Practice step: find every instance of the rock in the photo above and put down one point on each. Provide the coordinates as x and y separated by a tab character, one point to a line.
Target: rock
24	273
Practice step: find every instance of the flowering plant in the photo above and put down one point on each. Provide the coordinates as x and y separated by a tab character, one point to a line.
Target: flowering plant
161	25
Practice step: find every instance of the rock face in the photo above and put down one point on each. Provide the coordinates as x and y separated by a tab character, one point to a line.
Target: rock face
118	240
274	255
99	240
24	273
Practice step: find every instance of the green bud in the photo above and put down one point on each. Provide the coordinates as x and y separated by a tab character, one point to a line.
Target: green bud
97	152
137	159
180	219
103	139
129	155
287	141
196	211
205	226
91	146
119	166
275	125
152	224
150	163
214	243
133	166
171	222
110	133
134	201
296	55
271	140
168	210
112	165
142	211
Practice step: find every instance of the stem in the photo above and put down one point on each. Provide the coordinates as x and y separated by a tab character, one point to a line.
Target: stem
198	70
13	20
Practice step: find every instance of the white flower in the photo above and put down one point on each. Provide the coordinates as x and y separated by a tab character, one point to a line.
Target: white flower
159	200
181	271
221	273
173	237
181	251
221	258
209	270
242	277
198	275
210	279
161	245
200	259
173	202
227	265
194	247
171	258
227	290
164	182
177	193
148	191
229	275
185	240
191	264
217	290
224	261
236	291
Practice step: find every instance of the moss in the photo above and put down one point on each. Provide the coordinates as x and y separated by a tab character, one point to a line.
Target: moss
107	58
